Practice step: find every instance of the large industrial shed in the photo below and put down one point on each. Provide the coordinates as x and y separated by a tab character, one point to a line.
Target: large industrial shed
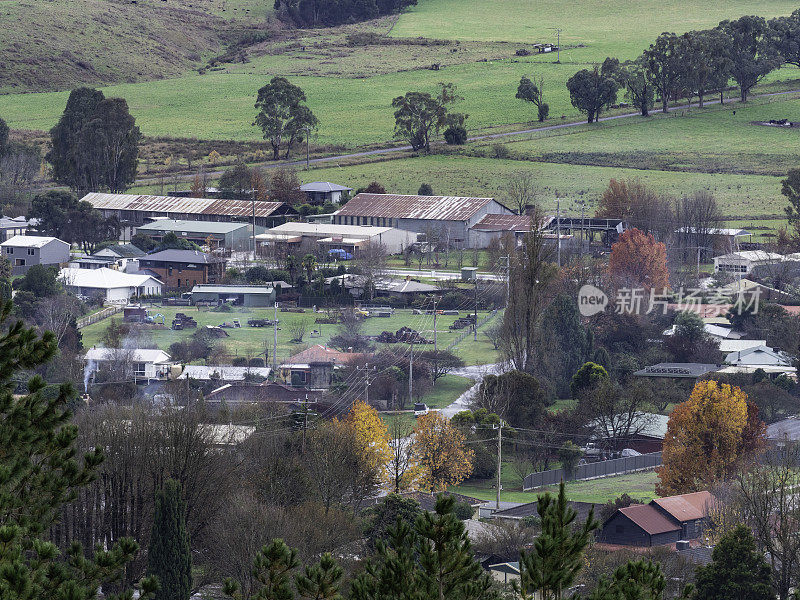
328	236
232	236
240	295
449	218
134	210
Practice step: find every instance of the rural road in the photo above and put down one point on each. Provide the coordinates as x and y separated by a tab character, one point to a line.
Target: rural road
476	373
476	138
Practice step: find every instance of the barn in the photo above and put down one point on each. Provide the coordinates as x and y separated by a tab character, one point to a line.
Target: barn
448	219
640	525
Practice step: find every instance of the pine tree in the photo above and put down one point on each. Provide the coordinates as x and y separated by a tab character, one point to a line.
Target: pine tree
557	555
737	570
431	561
40	473
169	555
320	581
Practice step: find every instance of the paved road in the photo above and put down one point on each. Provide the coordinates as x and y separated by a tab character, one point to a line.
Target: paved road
475	373
488	136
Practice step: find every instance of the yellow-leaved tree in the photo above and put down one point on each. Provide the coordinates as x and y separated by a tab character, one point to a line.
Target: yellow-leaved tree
707	438
371	435
441	455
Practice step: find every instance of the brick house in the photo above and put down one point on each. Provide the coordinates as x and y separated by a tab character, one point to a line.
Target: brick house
183	268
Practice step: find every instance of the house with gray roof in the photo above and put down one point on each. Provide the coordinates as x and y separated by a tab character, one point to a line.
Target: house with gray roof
448	218
25	251
180	269
321	192
678	370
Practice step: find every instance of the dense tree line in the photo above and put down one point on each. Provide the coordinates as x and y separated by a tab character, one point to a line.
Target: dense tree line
696	64
325	13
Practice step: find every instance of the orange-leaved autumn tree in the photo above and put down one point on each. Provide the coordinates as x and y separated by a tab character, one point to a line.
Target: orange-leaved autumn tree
442	458
708	437
371	434
639	261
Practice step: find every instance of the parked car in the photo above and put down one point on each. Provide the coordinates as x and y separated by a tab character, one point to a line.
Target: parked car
420	409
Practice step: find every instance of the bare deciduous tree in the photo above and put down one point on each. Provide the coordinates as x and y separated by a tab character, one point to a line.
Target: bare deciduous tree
522	191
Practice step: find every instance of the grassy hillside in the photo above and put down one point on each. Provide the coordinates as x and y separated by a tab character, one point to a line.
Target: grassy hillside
59	44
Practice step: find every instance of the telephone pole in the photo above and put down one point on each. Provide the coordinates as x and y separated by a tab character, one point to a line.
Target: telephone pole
475	324
275	341
558	31
411	372
435	343
366	369
508	278
558	229
499	458
305	404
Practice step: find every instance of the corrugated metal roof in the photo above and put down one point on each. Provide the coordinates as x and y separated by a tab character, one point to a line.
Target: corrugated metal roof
397	206
220	227
30	241
181	256
649	518
686	507
173	204
504	223
232	289
323	186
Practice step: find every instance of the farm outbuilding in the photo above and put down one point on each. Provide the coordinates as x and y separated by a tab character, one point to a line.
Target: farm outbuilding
320	192
240	295
231	236
640	525
332	237
448	218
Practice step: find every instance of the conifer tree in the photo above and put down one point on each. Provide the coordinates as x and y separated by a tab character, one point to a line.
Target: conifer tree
737	570
432	561
39	473
169	555
557	555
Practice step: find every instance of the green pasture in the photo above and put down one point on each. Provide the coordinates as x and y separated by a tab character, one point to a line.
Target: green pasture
249	342
605	27
352	112
714	139
572	184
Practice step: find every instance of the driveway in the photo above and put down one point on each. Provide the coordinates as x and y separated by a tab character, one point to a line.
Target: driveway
476	373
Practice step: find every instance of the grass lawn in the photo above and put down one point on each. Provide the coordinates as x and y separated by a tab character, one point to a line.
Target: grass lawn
638	485
249	341
447	390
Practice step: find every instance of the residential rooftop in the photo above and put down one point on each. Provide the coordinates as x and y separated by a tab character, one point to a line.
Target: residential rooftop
30	241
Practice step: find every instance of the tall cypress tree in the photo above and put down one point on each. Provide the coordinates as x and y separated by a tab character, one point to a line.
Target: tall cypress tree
169	556
39	473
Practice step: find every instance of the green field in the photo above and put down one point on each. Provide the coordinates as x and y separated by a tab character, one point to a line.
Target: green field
738	195
606	27
638	485
249	342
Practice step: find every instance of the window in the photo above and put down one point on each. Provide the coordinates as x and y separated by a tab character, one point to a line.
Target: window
19	262
9	250
298	378
179	283
140	369
31	252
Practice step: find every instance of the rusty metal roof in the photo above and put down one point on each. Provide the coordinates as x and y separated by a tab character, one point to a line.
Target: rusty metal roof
183	206
504	223
686	507
649	518
398	206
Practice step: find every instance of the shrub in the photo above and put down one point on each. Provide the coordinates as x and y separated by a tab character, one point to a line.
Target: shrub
544	111
500	151
255	362
455	135
463	511
523	52
239	361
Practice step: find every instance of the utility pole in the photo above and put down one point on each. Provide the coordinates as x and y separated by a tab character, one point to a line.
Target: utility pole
499	458
583	224
411	372
305	421
558	31
558	229
275	341
508	278
475	324
435	343
366	370
308	133
253	203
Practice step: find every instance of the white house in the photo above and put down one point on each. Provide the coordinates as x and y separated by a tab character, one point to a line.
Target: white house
114	286
24	251
744	262
147	364
759	357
